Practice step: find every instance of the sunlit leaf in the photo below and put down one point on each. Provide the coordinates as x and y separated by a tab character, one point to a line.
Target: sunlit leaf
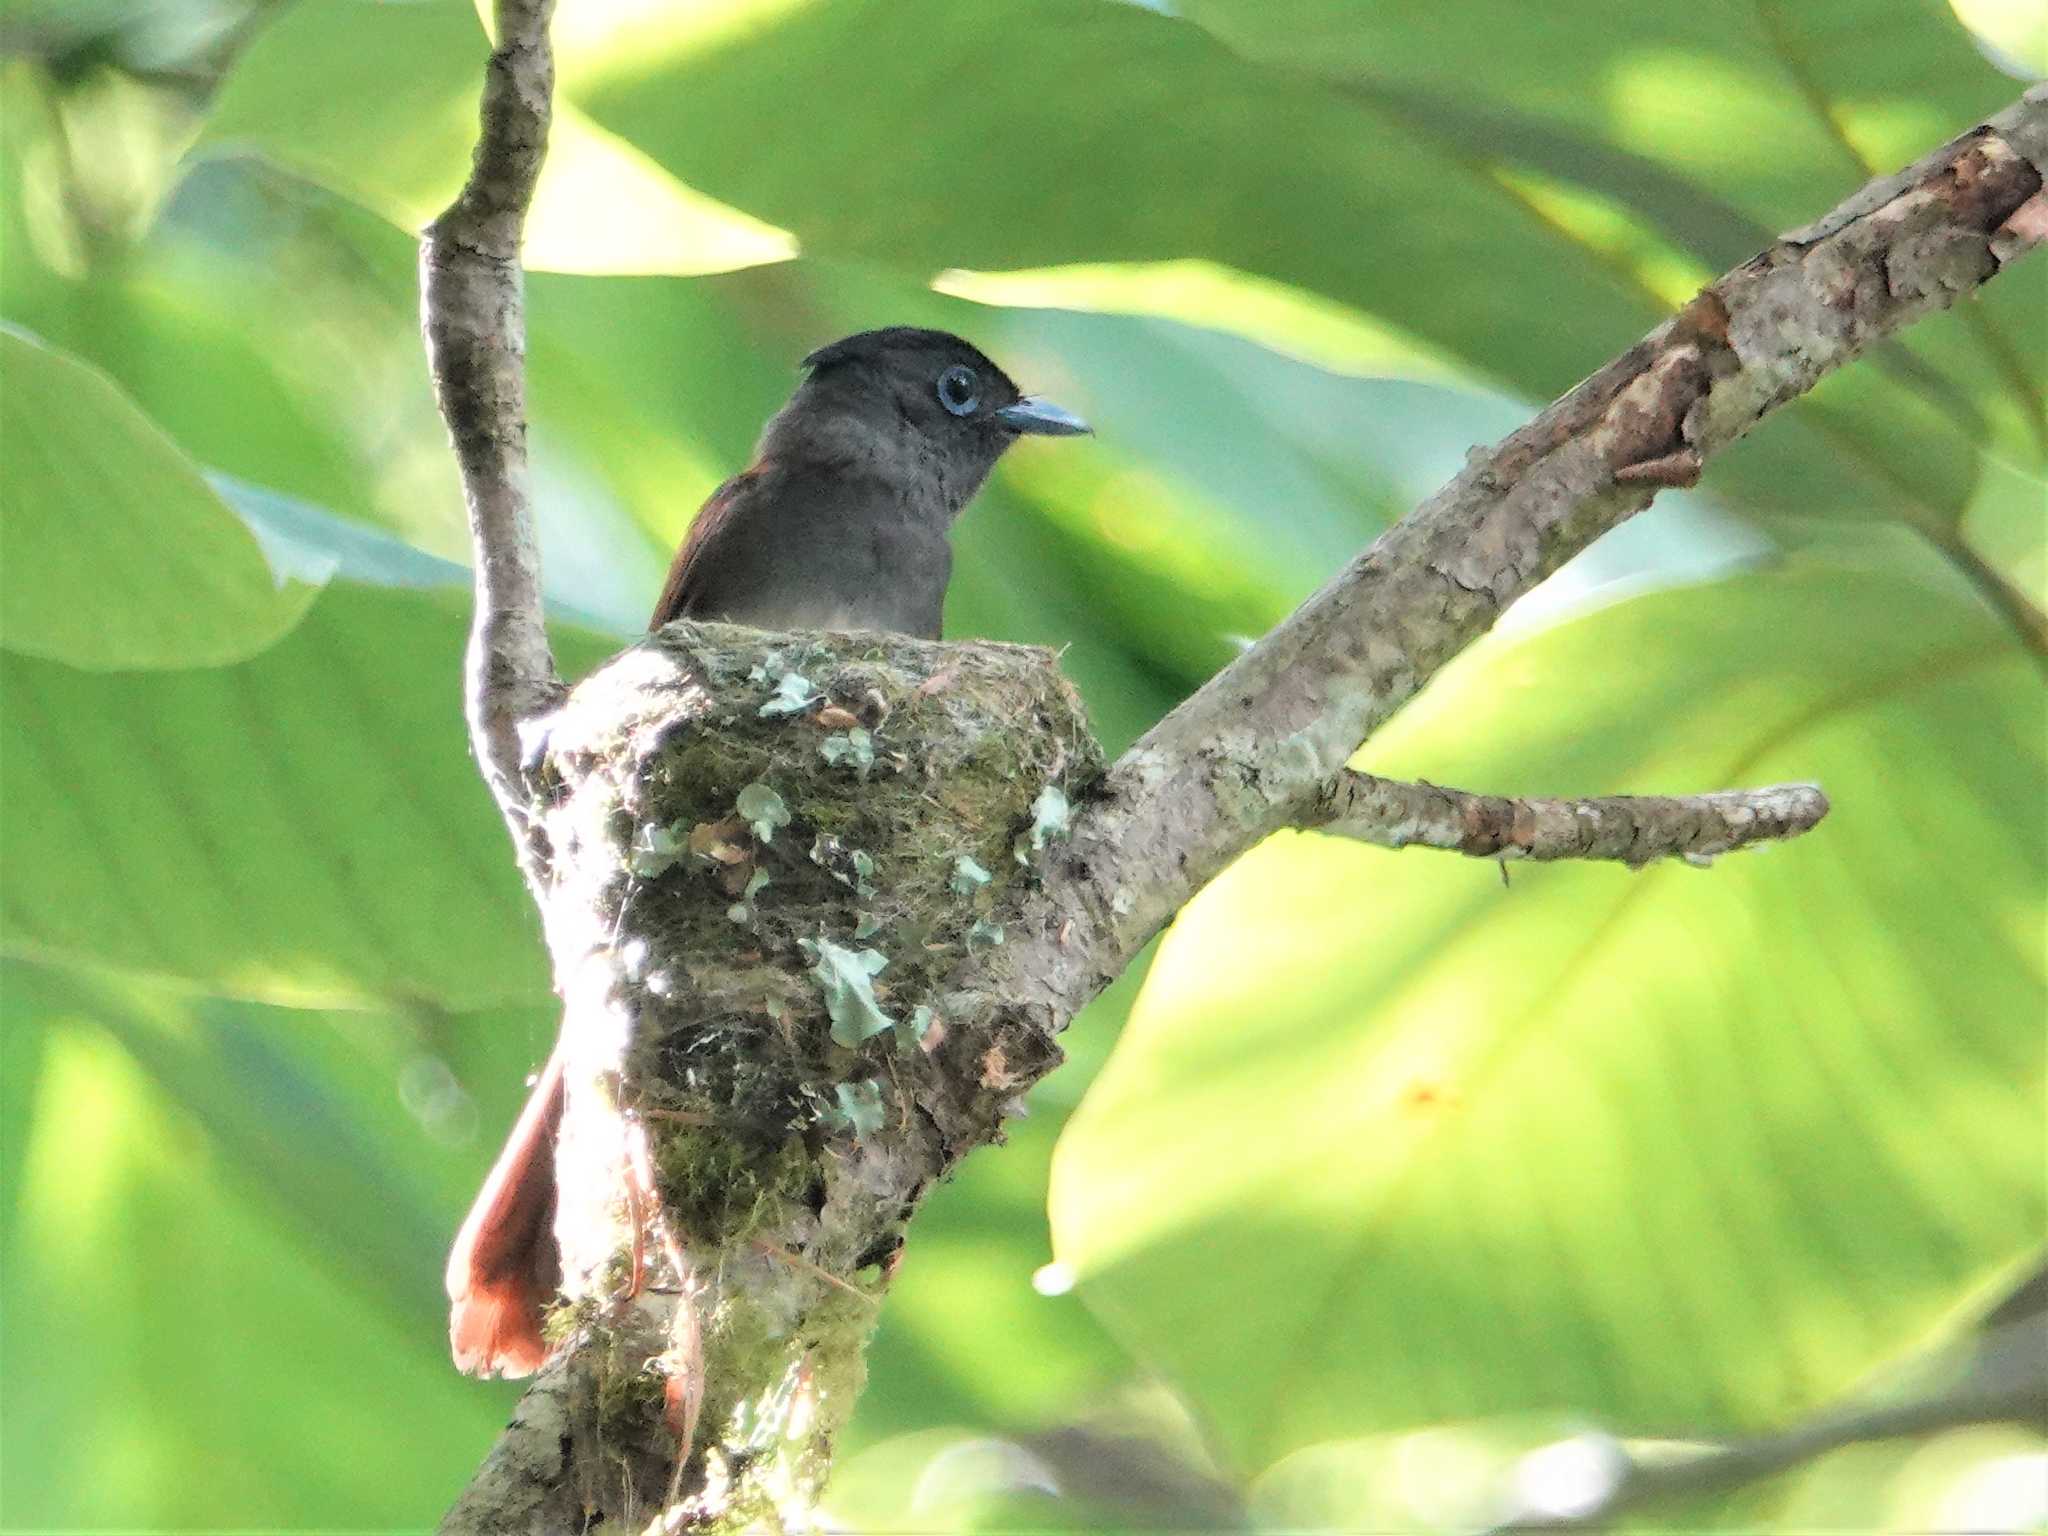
204	323
378	100
1484	194
1387	1144
2016	31
1459	1476
304	827
1202	293
119	554
1648	88
1625	136
1604	170
1100	132
207	1245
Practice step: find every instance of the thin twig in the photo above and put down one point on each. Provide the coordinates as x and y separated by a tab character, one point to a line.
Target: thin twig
1633	829
1590	1482
775	1250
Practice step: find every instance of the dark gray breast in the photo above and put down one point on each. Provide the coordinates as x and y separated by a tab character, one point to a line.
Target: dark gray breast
813	547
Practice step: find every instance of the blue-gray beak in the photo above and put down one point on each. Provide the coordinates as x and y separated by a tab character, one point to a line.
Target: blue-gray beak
1035	414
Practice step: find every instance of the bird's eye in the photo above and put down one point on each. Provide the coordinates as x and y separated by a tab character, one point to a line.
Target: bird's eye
959	392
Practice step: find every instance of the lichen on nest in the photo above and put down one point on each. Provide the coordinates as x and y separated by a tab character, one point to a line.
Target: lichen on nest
788	842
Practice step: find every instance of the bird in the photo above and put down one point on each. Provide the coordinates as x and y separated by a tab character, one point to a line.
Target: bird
839	522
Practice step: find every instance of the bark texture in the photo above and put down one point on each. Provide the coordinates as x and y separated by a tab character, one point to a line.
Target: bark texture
473	313
1631	829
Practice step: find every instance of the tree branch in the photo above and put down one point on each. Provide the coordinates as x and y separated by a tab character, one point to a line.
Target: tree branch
473	314
525	1482
1634	829
1256	748
1589	1482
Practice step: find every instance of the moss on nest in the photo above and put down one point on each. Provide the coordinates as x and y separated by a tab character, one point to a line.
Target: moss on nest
630	1396
856	840
768	855
728	1186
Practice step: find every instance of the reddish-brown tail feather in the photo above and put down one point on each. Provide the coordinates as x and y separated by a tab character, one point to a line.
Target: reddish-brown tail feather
505	1265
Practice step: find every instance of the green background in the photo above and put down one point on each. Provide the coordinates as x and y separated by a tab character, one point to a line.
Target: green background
1379	1172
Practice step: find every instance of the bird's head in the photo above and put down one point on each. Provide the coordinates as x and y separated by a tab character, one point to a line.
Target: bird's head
913	405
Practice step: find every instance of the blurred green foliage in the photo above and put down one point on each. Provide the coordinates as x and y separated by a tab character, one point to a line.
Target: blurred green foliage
1395	1173
1453	1135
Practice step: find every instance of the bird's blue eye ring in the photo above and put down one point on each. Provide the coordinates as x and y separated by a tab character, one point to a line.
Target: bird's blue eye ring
958	391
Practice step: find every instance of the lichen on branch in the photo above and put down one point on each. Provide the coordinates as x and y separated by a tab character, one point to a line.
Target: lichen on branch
1629	829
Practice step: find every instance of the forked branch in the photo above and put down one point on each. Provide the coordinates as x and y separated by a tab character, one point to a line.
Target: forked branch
1262	743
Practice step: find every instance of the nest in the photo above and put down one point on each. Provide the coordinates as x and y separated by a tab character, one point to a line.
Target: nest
784	844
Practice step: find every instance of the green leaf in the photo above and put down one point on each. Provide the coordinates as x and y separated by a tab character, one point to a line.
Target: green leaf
295	533
119	554
305	826
2018	34
208	1189
389	114
1385	1144
1148	141
211	346
1615	90
847	978
379	101
1605	203
1841	94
